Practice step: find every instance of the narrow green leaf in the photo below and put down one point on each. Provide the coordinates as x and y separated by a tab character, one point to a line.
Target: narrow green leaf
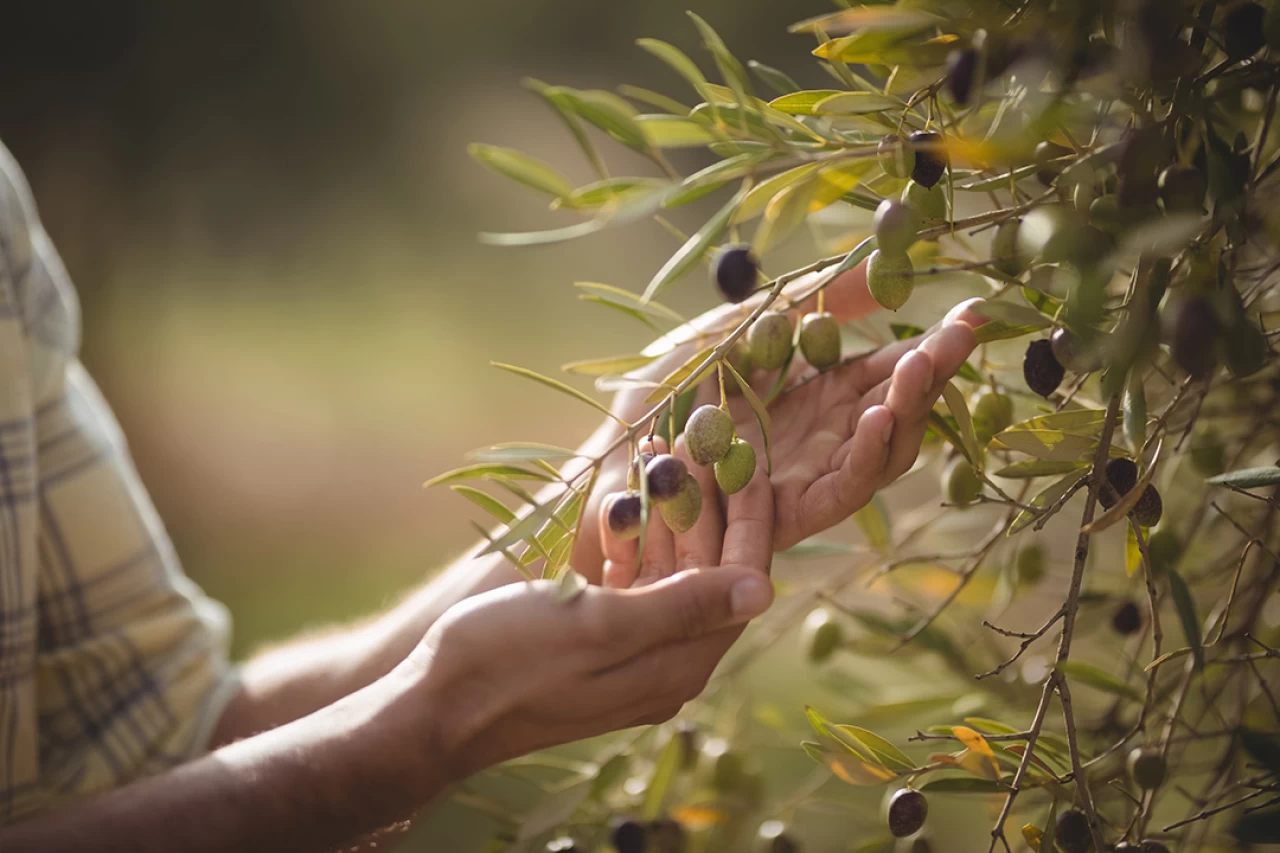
1013	314
553	383
522	168
609	191
653	99
570	120
677	60
997	330
963	785
964	423
608	366
608	112
1186	607
665	131
772	77
486	471
1076	421
1049	444
1037	468
754	202
873	520
521	451
759	410
785	212
486	502
1094	676
857	103
803	103
883	749
522	529
541	238
1248	478
673	379
633	300
695	247
1049	496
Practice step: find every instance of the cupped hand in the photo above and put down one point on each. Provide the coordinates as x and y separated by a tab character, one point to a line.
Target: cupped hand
516	669
837	437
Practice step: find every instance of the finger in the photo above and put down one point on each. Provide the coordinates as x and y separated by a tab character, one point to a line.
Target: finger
699	547
877	366
858	470
749	523
669	675
620	569
684	606
659	558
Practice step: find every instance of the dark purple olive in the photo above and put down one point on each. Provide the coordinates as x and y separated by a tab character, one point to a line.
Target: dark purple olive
908	809
931	157
962	65
665	474
736	272
1127	619
1040	369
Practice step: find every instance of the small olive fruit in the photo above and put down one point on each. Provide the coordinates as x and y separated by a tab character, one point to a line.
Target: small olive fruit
665	474
1208	454
1182	189
907	811
1146	768
896	158
637	465
622	512
1242	30
1122	475
897	226
1127	619
1047	152
738	466
708	434
890	278
666	836
770	340
1164	549
1071	832
960	482
929	202
727	771
564	844
1245	348
931	157
1030	564
1150	507
629	836
1040	369
1004	248
736	272
773	838
1043	233
992	413
962	66
739	357
822	634
1196	330
681	512
820	340
1072	353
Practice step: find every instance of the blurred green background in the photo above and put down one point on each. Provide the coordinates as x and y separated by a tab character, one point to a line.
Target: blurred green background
271	218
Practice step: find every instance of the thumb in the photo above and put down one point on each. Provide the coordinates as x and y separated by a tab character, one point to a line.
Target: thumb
688	605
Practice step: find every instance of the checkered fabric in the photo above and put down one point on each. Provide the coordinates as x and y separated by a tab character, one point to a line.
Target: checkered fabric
112	663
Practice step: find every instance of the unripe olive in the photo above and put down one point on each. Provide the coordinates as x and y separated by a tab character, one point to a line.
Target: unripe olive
931	157
629	836
1196	330
622	512
1046	152
1105	213
820	340
739	357
822	634
736	272
1182	189
896	158
992	413
773	838
681	512
929	202
1150	507
738	466
562	845
1030	564
960	482
962	66
1127	619
1071	832
1164	549
638	464
1242	30
665	474
907	812
1208	454
1043	235
1040	369
727	771
1072	353
1004	248
897	226
1146	768
890	278
708	434
770	340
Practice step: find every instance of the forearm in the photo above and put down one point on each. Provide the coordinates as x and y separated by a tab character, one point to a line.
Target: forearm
317	784
304	675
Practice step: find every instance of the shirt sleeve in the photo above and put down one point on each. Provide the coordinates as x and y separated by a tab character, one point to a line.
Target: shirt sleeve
113	664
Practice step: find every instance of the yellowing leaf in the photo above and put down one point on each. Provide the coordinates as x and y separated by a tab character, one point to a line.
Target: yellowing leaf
1132	553
698	817
1032	835
978	744
855	771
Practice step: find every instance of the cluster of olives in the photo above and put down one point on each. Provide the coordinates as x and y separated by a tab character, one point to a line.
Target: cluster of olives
1122	476
897	224
1204	330
1071	834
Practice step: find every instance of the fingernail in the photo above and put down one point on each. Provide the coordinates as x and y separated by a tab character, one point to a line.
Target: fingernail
886	431
750	597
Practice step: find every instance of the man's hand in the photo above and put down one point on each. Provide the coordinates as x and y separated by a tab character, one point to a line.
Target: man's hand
838	437
514	669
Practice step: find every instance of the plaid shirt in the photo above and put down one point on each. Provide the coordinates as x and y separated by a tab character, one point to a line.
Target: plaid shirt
112	663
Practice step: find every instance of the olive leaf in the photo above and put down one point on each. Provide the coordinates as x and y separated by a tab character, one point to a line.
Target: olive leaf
522	168
759	410
873	520
1248	478
607	366
486	471
1049	496
1094	676
964	422
553	383
696	246
1186	607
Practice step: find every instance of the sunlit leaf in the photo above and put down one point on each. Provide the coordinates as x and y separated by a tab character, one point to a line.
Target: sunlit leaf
606	111
873	520
697	818
888	754
570	119
783	214
1051	495
486	502
954	398
553	810
605	366
486	471
997	330
521	451
772	77
664	773
608	191
1077	421
1012	314
977	744
553	383
963	785
673	379
696	246
1132	552
869	17
802	103
1248	478
522	168
855	771
759	410
665	131
1037	468
1049	444
626	298
1094	676
755	201
653	99
857	103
